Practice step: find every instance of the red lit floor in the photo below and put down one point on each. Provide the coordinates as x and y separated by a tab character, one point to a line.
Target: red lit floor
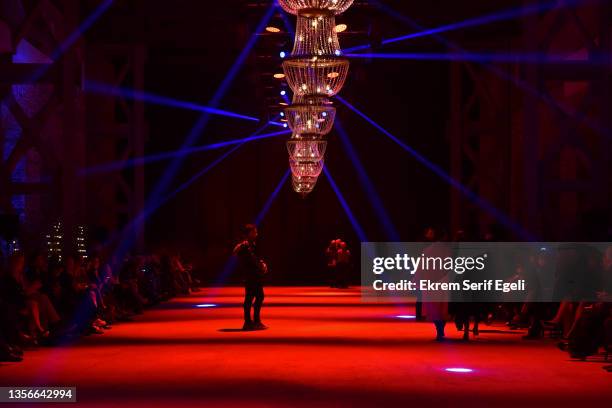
324	348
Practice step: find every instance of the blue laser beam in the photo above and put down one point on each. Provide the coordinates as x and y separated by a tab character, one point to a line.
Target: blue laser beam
482	57
523	85
127	233
481	202
271	199
373	196
149	210
83	27
473	22
202	122
139	161
232	262
151	98
347	209
69	41
287	23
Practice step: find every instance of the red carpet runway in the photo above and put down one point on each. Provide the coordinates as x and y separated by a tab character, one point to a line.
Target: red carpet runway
324	348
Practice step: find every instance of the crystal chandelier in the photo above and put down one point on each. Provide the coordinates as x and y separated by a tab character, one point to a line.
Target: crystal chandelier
315	71
333	6
311	115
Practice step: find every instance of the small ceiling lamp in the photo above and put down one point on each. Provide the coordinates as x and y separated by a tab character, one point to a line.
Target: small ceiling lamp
272	29
340	28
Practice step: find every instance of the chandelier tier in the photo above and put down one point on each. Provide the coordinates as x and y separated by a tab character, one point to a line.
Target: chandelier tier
303	185
306	168
311	115
332	6
306	150
316	76
316	34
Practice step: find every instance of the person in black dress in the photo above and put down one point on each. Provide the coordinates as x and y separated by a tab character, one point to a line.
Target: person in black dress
253	269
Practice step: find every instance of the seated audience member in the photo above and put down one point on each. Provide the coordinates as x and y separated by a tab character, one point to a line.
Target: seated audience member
9	336
26	296
129	281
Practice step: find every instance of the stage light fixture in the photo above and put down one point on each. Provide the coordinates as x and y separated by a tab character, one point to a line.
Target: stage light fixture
279	76
282	54
272	29
458	370
340	28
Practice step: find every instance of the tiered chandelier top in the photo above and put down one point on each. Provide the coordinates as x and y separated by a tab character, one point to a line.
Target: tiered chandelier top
332	6
315	71
316	35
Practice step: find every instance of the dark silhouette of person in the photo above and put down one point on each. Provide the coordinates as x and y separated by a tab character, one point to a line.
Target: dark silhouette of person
253	269
429	235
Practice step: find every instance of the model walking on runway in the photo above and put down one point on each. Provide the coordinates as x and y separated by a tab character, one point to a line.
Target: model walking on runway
253	269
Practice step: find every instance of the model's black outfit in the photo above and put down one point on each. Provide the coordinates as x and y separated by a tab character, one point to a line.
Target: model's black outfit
249	264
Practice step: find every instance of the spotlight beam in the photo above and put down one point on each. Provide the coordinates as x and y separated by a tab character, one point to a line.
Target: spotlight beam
202	122
473	22
287	24
231	264
523	85
356	226
126	235
482	57
132	94
149	210
83	27
440	172
373	196
270	200
139	161
68	42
